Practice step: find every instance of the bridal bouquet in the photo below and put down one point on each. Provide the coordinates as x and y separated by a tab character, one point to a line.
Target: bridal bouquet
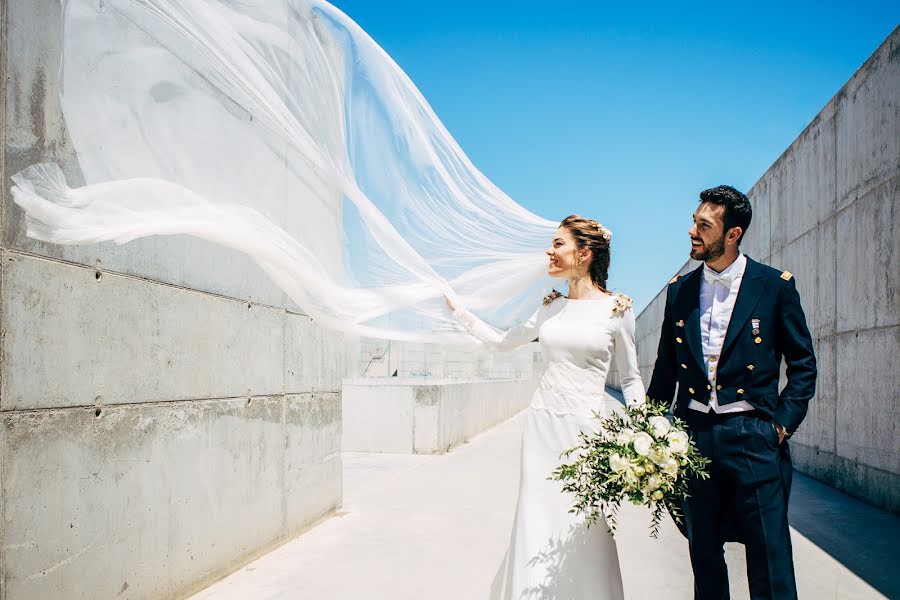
638	455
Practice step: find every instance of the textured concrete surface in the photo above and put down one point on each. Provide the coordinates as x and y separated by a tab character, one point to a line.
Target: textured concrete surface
827	210
425	416
437	526
143	498
152	395
382	358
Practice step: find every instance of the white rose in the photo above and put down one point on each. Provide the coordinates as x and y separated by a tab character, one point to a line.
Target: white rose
654	482
678	442
617	463
624	437
630	477
659	454
670	467
642	443
660	425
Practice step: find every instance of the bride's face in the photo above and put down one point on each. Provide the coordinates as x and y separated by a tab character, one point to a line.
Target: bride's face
563	254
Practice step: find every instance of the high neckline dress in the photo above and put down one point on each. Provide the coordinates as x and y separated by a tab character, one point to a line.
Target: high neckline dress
552	553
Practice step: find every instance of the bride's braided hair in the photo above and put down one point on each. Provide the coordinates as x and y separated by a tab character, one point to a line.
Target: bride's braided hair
590	234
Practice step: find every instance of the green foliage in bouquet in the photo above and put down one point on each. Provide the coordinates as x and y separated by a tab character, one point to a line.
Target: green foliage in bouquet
638	455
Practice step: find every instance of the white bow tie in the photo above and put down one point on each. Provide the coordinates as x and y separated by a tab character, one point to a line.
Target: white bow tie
712	277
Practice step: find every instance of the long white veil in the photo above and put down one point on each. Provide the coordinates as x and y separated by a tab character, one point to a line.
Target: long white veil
281	129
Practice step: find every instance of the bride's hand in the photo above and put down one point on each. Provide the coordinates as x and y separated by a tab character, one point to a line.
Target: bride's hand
450	304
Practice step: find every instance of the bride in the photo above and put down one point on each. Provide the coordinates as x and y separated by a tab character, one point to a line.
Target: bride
552	553
280	129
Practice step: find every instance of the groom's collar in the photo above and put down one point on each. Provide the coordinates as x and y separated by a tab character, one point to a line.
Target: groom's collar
736	269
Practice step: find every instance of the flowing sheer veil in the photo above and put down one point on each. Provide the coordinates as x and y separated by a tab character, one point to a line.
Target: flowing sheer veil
281	129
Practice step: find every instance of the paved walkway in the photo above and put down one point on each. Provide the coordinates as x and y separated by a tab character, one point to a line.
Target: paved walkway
436	527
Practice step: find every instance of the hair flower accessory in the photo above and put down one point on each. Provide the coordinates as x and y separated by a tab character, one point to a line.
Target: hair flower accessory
604	232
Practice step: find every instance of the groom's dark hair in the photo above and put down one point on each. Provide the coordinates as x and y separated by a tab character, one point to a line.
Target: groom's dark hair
737	207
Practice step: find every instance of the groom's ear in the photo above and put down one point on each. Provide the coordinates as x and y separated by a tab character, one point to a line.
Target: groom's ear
734	235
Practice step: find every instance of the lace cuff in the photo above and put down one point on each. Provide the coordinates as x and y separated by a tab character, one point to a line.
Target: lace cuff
465	320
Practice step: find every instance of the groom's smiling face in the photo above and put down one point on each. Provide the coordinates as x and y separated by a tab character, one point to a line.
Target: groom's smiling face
708	232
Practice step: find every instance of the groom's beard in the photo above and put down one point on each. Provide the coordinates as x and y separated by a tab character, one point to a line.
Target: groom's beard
710	252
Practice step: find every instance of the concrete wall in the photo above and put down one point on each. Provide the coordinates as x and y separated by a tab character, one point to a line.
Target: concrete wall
382	358
425	416
827	211
165	412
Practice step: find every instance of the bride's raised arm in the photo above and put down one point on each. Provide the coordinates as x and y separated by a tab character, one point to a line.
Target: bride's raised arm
519	335
626	359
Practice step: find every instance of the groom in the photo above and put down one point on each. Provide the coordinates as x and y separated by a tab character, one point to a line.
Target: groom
727	326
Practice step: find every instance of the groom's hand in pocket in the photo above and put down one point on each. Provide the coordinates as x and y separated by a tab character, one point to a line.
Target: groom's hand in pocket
782	433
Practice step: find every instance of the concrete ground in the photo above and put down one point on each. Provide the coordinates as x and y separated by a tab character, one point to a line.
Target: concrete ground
436	527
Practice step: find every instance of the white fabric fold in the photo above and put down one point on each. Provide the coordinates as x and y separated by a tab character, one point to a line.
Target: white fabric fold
282	130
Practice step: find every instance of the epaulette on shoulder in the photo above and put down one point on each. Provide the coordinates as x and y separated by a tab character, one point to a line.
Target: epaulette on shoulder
551	297
674	279
787	275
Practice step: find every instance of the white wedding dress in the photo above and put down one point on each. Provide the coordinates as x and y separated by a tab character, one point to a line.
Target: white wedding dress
552	553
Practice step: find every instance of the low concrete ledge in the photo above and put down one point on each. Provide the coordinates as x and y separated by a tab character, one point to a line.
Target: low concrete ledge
153	501
425	416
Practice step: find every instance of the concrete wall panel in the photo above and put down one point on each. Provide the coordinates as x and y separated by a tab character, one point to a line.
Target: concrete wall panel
313	478
868	363
822	311
378	416
868	234
868	119
425	416
73	340
795	258
146	499
315	359
804	197
757	242
818	429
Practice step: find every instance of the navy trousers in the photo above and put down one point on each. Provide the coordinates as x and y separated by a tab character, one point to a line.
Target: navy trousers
746	493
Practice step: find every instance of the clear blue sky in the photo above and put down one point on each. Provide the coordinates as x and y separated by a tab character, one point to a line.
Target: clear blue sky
624	112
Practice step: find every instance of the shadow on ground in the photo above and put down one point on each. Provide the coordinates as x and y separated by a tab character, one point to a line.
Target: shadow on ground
857	535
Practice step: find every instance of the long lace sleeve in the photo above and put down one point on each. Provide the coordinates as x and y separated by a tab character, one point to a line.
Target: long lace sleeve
626	360
519	335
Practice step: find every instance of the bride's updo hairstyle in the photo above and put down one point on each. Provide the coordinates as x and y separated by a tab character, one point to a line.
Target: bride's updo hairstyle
590	234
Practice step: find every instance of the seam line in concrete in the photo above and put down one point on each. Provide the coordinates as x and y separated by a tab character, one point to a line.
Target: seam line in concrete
4	67
860	330
833	363
283	395
133	277
833	216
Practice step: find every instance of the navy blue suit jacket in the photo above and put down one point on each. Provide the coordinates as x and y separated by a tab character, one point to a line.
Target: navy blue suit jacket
767	324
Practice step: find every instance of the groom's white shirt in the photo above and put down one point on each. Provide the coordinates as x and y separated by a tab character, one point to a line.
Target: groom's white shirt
718	293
